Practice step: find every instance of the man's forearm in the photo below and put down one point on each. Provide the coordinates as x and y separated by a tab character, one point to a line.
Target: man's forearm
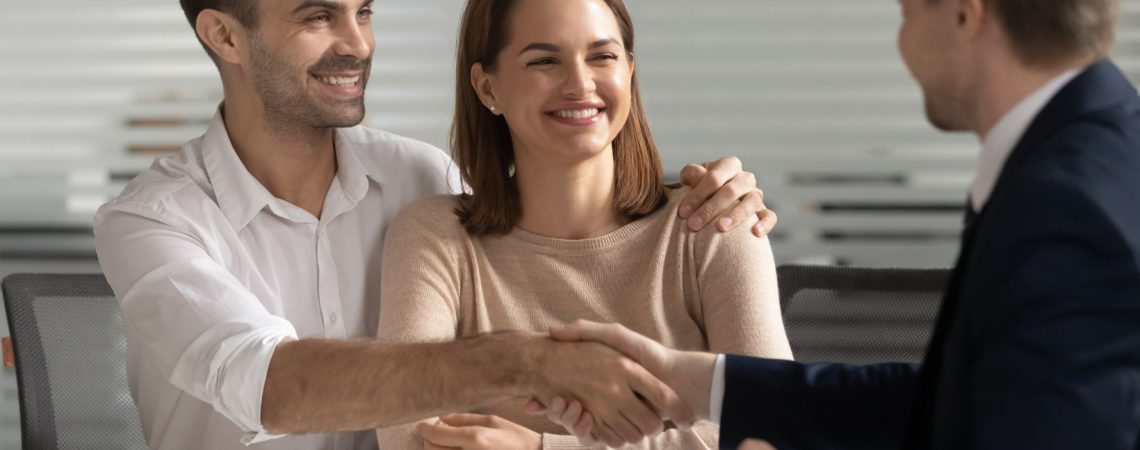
329	385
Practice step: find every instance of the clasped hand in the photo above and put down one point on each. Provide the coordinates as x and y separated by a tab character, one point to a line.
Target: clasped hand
625	402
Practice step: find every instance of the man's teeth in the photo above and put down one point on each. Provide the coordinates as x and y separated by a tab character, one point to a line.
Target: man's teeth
577	114
340	81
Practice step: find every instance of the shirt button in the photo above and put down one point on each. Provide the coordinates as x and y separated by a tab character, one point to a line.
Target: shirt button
332	319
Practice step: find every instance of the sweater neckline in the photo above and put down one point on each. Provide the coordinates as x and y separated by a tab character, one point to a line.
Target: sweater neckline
626	234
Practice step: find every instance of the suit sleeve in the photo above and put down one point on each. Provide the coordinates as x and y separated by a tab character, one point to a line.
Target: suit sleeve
816	406
1057	357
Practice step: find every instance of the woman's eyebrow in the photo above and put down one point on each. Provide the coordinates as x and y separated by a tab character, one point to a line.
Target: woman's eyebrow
554	48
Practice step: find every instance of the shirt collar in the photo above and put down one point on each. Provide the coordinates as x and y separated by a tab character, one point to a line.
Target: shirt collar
240	196
352	175
1001	140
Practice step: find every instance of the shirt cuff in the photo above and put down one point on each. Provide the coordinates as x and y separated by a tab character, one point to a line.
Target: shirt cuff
240	395
716	392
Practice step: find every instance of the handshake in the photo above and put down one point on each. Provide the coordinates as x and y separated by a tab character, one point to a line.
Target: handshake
604	384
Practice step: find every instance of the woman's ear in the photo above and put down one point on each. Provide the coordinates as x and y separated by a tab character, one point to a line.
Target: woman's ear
222	33
484	86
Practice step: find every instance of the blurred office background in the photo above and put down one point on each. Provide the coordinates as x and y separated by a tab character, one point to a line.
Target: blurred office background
810	94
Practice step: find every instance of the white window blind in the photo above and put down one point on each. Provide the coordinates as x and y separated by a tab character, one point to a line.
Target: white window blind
809	93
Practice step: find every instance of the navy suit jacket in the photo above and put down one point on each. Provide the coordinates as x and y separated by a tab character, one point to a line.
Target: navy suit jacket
1037	345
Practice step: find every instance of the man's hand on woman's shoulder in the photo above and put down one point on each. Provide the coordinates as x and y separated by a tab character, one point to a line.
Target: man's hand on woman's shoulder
724	191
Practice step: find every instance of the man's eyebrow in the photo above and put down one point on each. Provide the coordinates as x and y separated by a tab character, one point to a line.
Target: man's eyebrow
553	48
323	4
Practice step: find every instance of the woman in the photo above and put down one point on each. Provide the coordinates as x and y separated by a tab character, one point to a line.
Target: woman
568	216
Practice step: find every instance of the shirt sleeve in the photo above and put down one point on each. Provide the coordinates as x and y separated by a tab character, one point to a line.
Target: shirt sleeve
716	392
209	335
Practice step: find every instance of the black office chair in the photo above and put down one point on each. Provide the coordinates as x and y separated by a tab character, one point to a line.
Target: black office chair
70	353
860	315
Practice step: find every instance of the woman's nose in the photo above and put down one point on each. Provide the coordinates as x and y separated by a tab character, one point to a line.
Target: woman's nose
579	81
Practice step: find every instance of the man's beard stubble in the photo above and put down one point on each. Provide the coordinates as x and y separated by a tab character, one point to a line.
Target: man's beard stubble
288	107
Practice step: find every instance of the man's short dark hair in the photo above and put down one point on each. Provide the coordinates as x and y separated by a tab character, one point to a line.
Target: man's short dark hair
1050	32
245	11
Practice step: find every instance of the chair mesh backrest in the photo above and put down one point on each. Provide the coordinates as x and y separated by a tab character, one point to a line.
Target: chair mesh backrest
860	315
70	363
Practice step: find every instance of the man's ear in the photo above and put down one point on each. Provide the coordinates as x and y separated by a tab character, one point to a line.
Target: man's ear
971	15
484	87
222	33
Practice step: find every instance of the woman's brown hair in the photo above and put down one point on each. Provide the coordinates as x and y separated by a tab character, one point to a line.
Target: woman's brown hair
481	142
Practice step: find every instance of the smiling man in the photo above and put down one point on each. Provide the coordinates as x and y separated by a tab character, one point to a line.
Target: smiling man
247	266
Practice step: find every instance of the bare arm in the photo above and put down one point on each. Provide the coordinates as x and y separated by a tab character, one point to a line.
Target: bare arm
318	385
324	386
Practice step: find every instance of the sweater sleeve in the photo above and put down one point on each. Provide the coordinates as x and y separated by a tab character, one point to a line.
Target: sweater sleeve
421	284
703	435
739	296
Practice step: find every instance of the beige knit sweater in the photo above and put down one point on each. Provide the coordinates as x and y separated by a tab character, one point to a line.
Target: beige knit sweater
705	291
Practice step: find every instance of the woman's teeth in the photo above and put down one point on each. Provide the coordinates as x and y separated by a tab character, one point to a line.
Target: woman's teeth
577	114
340	81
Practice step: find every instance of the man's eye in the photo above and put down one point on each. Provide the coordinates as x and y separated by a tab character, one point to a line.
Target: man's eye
320	18
364	14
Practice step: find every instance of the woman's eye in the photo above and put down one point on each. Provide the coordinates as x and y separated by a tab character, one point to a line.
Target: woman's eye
606	57
541	62
365	14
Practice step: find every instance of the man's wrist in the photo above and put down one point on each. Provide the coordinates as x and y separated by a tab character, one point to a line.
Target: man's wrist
523	361
508	362
691	378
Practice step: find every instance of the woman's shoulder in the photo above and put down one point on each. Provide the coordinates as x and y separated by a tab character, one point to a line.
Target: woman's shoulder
431	215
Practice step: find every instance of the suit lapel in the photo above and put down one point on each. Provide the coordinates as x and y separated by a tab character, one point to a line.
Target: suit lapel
922	422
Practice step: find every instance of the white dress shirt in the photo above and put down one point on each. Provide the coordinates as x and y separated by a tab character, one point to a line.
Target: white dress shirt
996	147
212	271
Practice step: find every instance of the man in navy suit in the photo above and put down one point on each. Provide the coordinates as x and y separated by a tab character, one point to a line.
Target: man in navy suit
1037	345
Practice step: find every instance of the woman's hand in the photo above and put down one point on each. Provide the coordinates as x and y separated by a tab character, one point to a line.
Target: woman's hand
571	417
724	191
478	432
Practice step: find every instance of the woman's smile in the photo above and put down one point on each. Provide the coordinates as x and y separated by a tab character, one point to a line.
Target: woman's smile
579	115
